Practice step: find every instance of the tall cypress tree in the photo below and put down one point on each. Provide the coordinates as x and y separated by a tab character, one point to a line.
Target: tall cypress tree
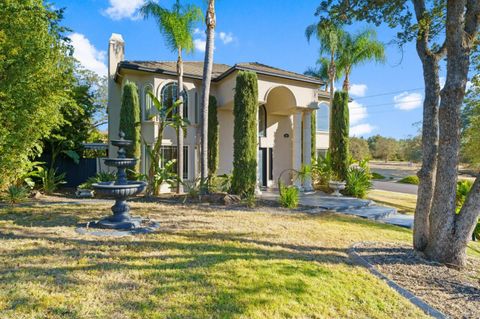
213	147
245	134
340	132
130	120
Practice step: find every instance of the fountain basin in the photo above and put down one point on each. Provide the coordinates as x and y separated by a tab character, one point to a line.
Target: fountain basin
120	162
121	143
112	190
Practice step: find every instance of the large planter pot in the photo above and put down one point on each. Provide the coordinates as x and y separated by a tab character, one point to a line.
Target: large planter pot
337	187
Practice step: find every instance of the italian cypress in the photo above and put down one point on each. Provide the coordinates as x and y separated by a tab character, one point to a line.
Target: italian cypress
213	147
340	134
245	111
130	120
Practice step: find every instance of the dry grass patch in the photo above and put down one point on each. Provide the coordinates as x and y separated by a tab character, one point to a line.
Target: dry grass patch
203	263
404	203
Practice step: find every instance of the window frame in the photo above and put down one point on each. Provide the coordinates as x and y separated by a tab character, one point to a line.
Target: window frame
317	113
262	131
185	98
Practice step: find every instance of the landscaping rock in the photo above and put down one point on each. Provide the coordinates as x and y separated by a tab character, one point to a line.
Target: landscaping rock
220	199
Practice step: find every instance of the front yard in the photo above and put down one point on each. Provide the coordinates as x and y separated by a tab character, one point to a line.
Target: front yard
203	263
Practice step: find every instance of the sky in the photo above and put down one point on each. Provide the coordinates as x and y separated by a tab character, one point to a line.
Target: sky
387	98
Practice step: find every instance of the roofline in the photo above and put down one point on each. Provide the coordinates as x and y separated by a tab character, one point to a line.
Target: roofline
130	66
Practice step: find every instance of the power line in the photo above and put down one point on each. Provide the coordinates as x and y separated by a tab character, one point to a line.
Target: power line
388	93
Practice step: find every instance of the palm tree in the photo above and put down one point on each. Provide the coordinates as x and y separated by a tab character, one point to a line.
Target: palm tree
320	71
210	21
358	49
176	25
329	36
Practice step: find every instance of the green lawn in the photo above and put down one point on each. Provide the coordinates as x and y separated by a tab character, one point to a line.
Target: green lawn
203	263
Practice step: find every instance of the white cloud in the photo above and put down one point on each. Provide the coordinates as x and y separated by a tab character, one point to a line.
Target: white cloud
200	44
226	37
197	31
358	112
122	9
361	129
88	56
442	80
358	89
408	101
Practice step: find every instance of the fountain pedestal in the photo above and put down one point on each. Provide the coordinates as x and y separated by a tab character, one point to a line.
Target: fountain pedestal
120	190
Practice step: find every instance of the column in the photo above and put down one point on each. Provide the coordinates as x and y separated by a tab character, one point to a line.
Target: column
297	146
258	191
307	147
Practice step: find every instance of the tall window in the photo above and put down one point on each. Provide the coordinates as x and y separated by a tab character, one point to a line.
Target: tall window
169	153
323	117
147	103
169	95
262	121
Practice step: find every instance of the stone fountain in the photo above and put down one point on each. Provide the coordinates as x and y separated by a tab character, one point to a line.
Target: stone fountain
120	190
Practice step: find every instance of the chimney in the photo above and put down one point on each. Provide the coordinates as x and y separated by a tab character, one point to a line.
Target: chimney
116	53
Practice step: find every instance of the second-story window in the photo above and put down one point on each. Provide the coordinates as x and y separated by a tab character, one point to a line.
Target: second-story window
148	108
323	117
169	95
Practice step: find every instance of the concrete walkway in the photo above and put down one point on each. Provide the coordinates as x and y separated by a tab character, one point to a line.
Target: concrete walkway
318	202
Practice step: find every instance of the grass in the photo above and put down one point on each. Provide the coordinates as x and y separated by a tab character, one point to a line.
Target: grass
203	263
404	203
376	175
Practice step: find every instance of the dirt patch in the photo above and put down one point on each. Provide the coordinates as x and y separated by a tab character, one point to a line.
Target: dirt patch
453	292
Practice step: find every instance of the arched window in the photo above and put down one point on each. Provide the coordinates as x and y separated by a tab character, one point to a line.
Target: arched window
323	117
148	110
169	95
262	121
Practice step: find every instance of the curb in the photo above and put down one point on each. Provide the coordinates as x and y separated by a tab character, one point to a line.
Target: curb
426	308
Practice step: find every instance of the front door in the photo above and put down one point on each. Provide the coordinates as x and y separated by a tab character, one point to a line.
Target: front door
262	167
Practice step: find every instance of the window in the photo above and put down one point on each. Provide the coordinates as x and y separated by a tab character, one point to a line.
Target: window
321	153
147	103
323	117
169	153
262	121
197	110
169	96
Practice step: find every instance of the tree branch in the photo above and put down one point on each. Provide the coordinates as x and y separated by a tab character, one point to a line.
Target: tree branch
472	21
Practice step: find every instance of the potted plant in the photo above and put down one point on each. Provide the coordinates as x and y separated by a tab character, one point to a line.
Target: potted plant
337	184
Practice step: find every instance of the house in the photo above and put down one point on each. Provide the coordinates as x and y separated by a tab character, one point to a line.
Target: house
286	104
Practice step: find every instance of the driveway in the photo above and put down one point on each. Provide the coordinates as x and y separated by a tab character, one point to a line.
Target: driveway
395	187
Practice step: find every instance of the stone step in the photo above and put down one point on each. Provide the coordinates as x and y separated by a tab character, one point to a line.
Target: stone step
374	212
399	220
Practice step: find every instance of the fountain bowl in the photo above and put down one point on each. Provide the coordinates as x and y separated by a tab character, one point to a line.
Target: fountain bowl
120	162
112	190
121	143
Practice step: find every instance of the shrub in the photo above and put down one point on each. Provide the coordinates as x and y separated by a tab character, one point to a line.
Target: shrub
130	120
213	147
322	172
289	196
220	183
16	194
411	179
339	134
359	180
377	176
245	134
50	179
192	188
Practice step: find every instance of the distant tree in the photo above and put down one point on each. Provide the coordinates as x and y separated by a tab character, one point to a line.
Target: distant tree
245	111
213	149
130	120
340	134
176	25
410	149
470	150
359	148
36	76
385	148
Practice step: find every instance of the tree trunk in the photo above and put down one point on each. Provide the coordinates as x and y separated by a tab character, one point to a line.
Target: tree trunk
180	129
346	81
429	151
207	78
331	77
449	232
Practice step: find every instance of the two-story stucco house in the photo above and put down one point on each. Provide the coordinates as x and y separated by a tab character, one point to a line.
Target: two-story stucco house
286	102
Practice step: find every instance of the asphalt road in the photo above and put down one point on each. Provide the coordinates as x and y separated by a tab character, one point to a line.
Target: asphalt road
395	187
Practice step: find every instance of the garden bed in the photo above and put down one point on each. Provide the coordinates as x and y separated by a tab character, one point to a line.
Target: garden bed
453	292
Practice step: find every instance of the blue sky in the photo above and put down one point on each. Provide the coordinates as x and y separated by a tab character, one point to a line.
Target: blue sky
387	97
